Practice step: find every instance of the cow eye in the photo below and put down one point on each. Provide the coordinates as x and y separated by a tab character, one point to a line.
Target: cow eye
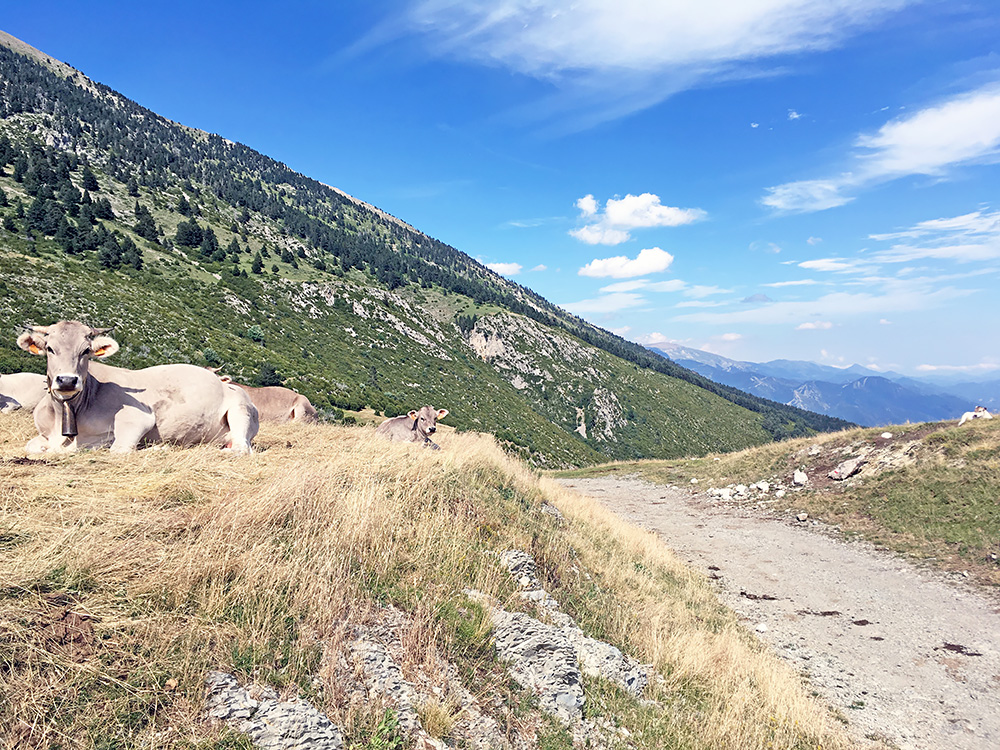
49	349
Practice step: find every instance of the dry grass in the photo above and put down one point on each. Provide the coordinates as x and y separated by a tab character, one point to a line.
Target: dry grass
124	579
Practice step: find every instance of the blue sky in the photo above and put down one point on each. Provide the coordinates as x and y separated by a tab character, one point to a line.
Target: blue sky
802	179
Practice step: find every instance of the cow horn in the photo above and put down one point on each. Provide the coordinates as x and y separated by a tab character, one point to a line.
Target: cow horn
37	329
101	331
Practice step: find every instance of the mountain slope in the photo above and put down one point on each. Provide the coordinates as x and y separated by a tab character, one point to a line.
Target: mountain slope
203	250
866	400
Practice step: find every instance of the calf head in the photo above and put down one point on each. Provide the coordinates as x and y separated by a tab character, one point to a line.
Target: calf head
425	420
68	347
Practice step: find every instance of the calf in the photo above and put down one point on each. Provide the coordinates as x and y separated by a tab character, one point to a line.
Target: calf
980	412
415	427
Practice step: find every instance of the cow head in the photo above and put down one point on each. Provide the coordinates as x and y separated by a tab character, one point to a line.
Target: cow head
425	420
68	346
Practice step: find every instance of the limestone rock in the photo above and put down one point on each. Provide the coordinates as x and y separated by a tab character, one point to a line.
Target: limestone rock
271	724
848	468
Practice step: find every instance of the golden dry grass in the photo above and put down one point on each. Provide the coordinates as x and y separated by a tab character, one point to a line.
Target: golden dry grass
172	562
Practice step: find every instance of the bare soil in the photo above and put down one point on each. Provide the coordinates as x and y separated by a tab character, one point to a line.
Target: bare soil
903	653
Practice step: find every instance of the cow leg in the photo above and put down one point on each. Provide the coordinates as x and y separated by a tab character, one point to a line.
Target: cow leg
131	426
38	444
243	426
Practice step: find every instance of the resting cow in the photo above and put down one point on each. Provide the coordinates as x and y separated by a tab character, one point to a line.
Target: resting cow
980	412
276	403
21	390
93	405
415	427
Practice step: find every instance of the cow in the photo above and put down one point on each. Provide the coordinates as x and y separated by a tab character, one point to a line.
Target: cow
276	403
414	427
21	390
93	405
980	412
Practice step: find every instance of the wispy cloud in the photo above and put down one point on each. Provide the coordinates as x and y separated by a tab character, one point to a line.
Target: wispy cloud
607	60
650	260
817	325
960	131
901	298
797	282
506	269
971	237
982	367
612	227
540	267
605	304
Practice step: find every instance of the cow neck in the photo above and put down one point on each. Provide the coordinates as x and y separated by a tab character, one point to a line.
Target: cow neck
69	407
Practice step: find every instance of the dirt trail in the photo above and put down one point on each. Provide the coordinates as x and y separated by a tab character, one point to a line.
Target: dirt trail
903	653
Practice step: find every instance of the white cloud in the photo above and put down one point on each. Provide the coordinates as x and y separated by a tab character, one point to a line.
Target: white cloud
885	322
814	240
798	282
767	247
621	331
829	264
754	124
982	367
505	269
900	298
671	285
701	290
650	260
655	338
970	237
606	303
610	59
819	325
623	214
540	267
699	303
587	205
595	234
807	195
793	115
624	286
961	131
731	336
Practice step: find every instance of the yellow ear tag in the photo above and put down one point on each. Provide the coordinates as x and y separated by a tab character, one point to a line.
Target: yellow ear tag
34	348
101	351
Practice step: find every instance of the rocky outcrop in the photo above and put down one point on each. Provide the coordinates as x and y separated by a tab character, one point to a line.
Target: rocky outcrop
271	724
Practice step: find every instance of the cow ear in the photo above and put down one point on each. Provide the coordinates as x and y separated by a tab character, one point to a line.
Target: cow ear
31	342
103	346
442	413
225	379
412	414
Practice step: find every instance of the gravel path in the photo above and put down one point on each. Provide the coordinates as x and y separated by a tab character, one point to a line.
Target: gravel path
904	653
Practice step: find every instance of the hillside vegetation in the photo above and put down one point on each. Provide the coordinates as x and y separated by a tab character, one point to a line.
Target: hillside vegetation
202	250
930	491
126	579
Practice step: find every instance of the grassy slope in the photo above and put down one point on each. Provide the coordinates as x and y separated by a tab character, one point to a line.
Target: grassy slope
943	507
189	560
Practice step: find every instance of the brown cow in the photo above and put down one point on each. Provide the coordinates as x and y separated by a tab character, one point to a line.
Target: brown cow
276	403
93	405
415	427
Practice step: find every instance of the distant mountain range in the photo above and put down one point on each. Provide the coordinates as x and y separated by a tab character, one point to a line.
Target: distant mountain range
856	393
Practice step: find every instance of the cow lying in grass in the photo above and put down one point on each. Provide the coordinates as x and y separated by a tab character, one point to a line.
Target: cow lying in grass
980	412
93	405
21	390
415	427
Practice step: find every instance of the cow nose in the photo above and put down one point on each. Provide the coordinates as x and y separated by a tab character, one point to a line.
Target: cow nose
66	382
432	429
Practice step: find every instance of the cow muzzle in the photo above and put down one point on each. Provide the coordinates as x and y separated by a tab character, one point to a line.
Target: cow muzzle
65	387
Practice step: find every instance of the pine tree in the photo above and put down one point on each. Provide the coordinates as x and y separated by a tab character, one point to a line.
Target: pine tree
89	180
257	266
